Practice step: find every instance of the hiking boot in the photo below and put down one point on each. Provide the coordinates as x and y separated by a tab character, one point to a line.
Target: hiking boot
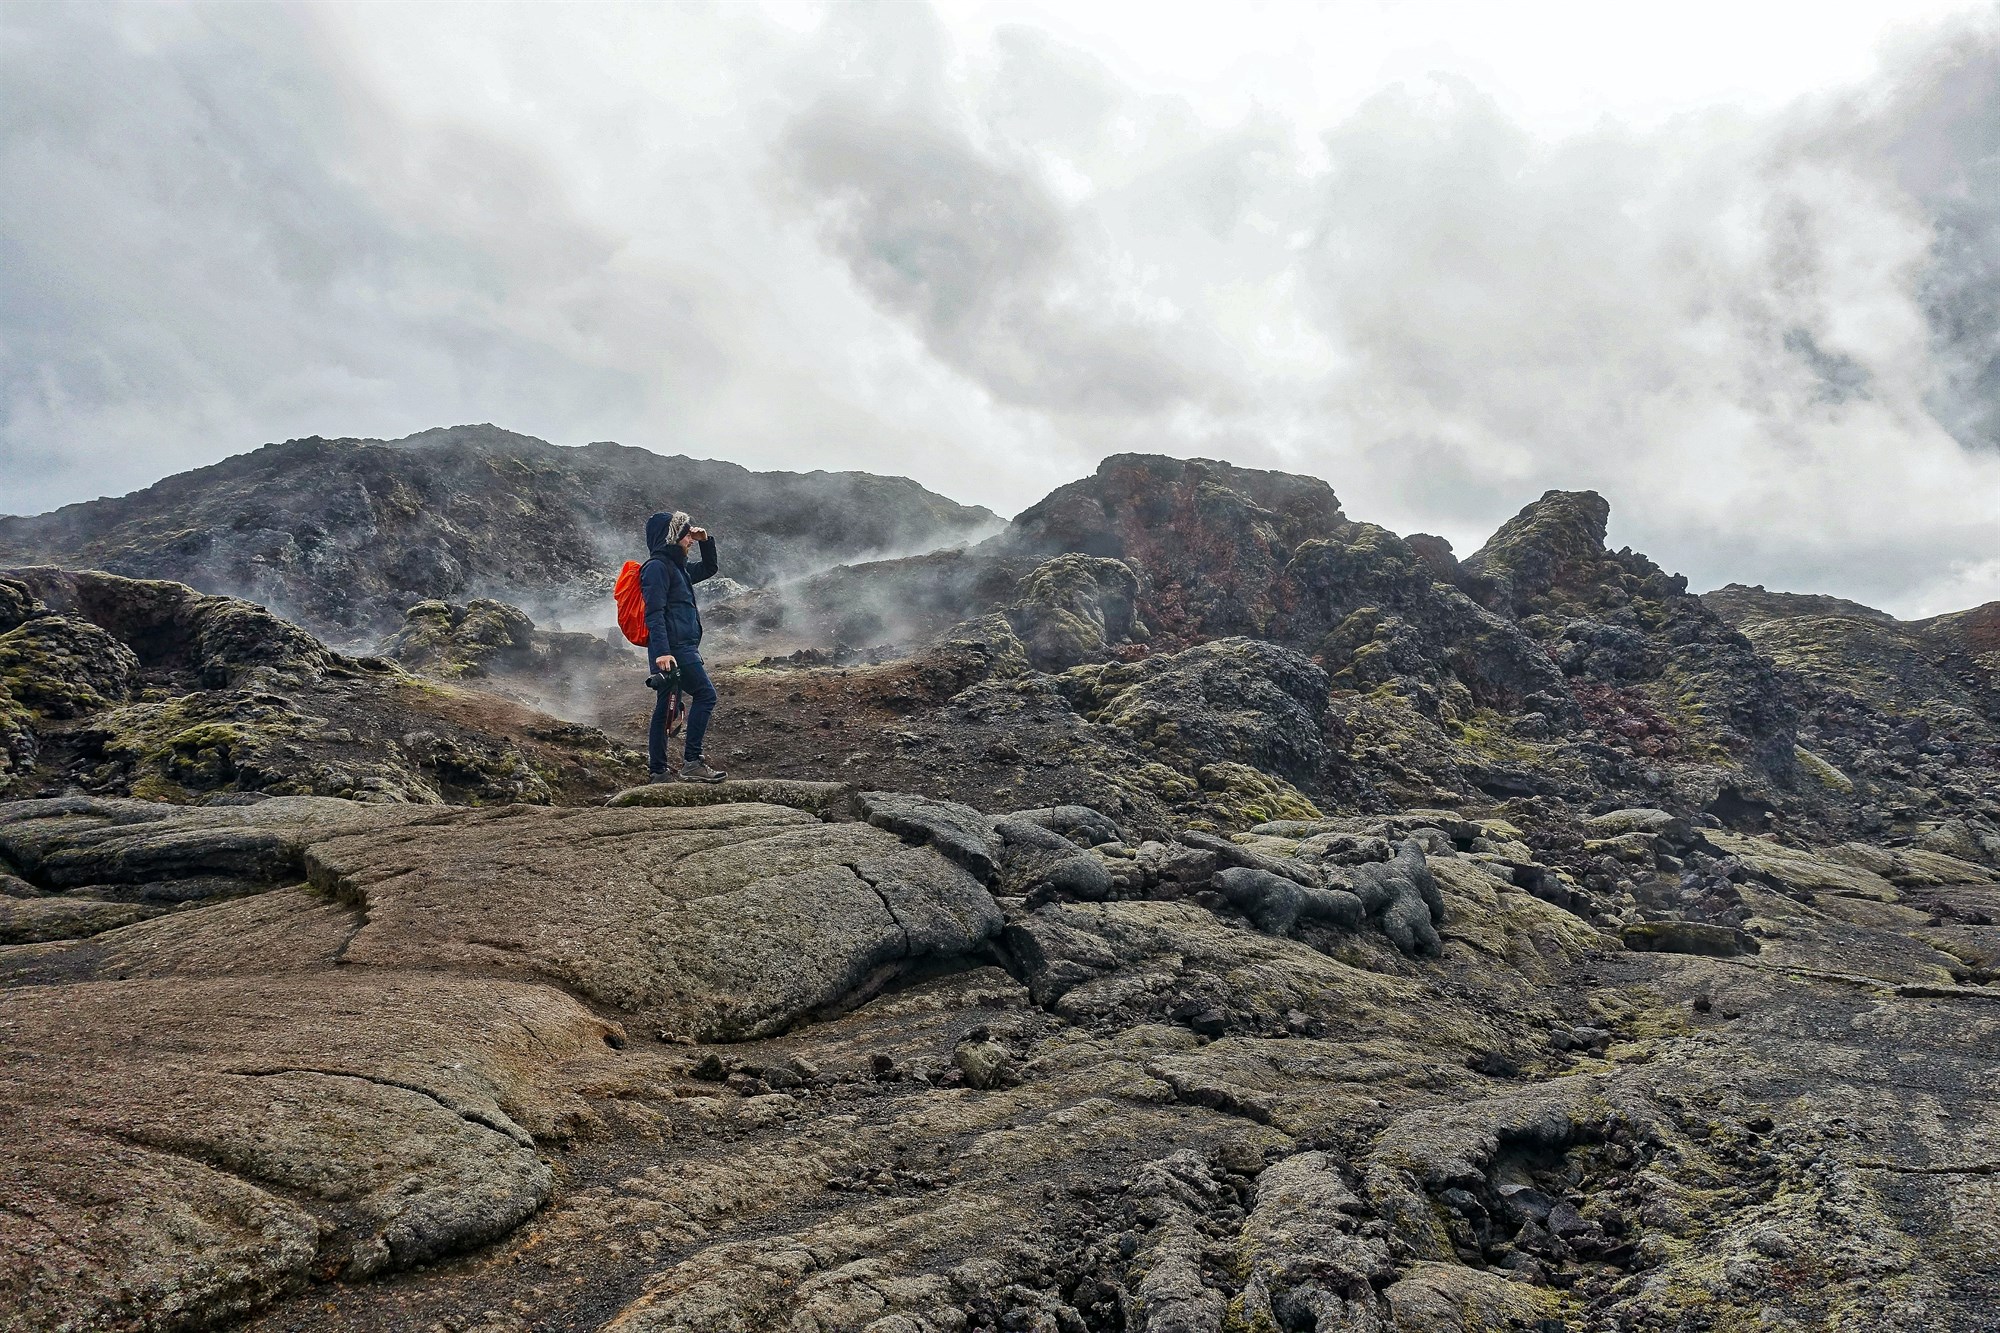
697	770
672	774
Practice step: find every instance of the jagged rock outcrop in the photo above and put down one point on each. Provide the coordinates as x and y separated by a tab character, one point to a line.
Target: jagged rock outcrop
1899	721
344	535
1211	537
1545	665
111	685
1649	663
491	640
1744	604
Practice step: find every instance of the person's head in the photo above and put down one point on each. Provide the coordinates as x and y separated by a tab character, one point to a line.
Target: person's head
664	529
671	529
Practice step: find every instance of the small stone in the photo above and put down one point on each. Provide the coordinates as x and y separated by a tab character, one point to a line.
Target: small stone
1566	1222
1772	1242
1526	1203
985	1064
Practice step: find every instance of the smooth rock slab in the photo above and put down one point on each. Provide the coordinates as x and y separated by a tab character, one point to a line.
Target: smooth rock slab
34	920
177	1150
73	841
960	832
718	922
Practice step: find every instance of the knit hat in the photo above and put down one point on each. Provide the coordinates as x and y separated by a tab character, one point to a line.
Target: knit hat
677	527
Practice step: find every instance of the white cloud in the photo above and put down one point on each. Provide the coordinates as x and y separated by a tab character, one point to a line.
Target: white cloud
1743	288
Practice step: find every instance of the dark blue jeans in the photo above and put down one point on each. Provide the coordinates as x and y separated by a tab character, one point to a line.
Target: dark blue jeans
701	697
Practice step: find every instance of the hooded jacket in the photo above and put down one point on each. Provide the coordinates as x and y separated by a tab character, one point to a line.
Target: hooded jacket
673	621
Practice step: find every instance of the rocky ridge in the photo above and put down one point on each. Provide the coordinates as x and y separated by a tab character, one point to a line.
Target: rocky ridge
343	535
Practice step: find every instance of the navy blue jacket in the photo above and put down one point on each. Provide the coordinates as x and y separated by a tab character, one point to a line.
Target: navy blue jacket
667	580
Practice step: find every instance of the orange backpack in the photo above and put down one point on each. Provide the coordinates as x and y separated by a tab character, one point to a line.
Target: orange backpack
631	601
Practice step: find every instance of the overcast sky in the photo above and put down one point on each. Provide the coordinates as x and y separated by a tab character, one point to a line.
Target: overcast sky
1735	265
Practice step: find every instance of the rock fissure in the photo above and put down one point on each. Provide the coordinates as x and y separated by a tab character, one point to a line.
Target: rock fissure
505	1128
1918	991
53	1232
887	906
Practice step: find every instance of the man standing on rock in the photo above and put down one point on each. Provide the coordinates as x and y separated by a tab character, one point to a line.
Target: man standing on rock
673	636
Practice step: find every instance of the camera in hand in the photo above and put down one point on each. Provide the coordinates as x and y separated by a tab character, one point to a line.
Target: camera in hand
664	680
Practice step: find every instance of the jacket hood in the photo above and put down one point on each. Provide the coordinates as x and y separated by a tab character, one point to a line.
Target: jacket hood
656	530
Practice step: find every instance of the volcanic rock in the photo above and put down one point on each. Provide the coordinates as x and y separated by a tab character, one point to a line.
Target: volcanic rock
447	1041
1074	608
346	534
1747	604
114	685
1311	930
487	638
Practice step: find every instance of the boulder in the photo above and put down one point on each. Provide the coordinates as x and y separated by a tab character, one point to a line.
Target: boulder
1237	700
64	668
717	922
1079	823
1403	897
1669	829
485	638
1080	876
1075	608
959	832
18	603
1275	904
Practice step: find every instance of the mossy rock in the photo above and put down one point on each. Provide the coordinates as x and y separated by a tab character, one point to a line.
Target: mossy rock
1240	796
1820	771
18	603
17	738
64	668
1073	608
828	800
1058	638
